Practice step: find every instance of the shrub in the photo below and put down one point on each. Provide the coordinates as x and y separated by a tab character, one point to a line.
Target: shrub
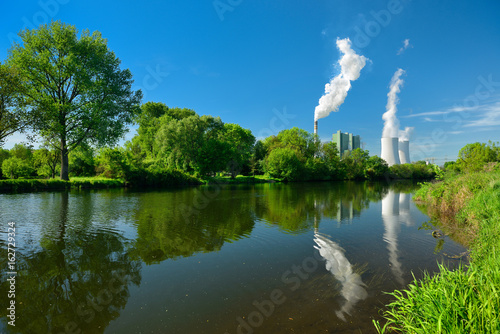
14	167
284	164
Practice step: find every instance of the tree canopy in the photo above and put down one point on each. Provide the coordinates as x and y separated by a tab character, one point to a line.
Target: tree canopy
10	88
73	88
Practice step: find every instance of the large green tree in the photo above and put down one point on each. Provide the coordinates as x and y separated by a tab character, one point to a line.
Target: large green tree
73	87
10	88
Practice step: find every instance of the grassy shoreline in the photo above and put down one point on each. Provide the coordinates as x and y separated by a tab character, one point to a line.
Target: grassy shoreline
34	185
466	300
29	185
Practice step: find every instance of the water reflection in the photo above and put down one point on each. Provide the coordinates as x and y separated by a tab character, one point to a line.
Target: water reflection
69	281
174	224
353	289
395	210
82	252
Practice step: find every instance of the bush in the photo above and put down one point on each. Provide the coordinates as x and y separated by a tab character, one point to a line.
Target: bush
283	163
15	167
414	171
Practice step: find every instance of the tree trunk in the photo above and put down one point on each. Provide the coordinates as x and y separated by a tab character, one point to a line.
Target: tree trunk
64	161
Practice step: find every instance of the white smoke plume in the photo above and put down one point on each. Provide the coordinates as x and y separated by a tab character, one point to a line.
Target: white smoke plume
406	133
391	125
336	90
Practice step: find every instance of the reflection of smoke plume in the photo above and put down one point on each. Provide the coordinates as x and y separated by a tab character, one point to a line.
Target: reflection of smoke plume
406	133
390	217
336	90
391	125
352	286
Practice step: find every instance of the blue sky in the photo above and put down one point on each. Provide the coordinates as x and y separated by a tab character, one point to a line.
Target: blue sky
264	64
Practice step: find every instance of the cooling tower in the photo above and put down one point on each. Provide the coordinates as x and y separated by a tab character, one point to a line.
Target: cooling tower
390	151
404	151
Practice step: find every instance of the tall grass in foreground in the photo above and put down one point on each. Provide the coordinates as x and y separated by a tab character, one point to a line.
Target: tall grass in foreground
465	300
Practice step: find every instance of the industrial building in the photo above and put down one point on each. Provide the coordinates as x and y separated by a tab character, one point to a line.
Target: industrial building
346	142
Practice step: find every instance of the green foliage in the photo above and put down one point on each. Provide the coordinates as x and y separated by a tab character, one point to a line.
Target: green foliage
376	168
4	154
473	157
283	163
82	162
355	163
10	90
111	163
256	161
240	142
192	144
155	176
14	167
74	89
416	171
46	162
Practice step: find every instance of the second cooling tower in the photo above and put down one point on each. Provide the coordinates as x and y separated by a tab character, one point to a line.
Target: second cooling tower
390	151
404	151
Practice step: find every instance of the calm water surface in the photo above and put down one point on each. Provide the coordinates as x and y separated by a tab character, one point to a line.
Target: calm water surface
267	258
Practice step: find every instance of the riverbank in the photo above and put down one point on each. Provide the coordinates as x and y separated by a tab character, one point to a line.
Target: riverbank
466	300
28	185
32	185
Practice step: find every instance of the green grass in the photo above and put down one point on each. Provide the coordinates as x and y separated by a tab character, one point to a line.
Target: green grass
465	300
22	185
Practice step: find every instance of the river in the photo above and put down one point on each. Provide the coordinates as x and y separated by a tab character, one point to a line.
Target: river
264	258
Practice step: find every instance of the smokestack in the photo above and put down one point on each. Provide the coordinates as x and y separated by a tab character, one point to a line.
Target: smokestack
404	151
390	151
316	127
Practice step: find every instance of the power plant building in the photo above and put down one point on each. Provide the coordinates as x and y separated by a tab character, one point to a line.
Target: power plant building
346	142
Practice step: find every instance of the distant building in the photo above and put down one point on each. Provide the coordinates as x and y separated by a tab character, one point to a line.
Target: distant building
346	142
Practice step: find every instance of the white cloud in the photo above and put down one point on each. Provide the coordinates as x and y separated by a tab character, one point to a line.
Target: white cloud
443	112
489	117
406	45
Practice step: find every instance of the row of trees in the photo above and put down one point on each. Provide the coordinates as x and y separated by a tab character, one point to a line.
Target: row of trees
68	89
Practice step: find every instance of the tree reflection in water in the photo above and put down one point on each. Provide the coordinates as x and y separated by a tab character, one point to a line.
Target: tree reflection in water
77	281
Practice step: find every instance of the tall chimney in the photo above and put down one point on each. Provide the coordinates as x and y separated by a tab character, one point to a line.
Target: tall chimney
315	127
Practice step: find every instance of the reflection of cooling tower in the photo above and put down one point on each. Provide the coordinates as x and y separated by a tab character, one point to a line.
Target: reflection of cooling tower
390	151
404	203
404	209
404	151
390	204
390	217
